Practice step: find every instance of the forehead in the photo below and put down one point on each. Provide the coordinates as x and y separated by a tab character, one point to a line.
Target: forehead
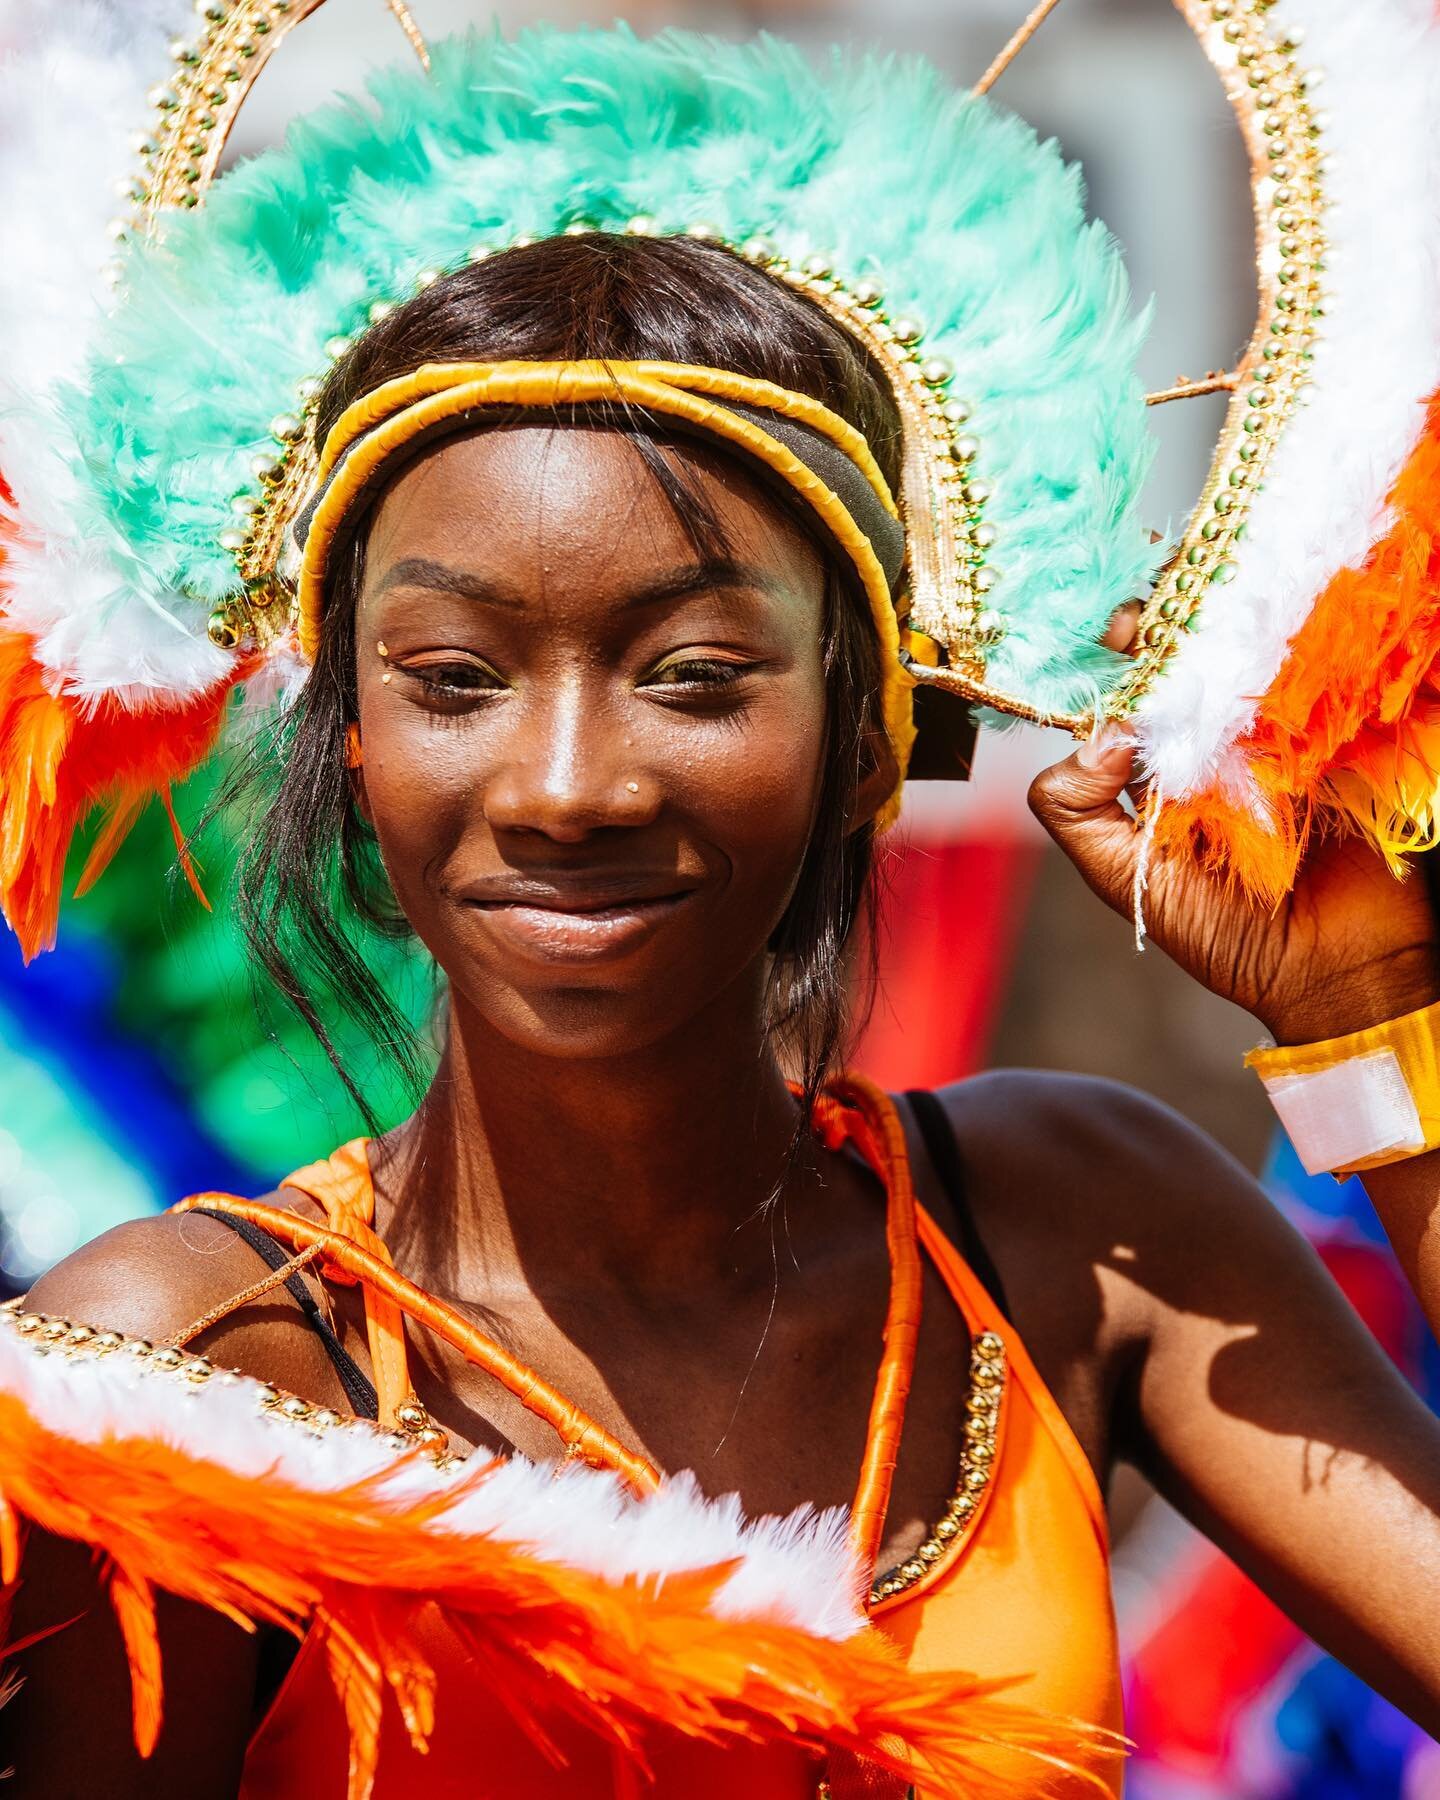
538	503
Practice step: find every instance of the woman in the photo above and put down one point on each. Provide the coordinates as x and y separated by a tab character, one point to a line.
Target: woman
606	697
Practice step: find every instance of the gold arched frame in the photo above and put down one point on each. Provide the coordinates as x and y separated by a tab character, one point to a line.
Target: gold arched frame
1267	92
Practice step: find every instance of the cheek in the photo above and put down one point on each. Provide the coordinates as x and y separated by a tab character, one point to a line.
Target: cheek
421	784
754	779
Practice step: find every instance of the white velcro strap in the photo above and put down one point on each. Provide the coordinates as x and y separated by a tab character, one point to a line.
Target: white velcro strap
1355	1109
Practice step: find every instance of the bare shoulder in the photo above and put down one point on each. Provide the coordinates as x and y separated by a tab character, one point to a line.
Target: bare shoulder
1067	1139
1090	1176
156	1277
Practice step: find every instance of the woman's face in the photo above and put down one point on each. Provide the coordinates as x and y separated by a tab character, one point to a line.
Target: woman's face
591	756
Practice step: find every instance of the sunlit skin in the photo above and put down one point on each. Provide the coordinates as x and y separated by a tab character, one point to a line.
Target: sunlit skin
560	739
592	763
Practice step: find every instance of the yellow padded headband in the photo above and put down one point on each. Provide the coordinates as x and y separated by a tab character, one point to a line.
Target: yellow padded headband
371	431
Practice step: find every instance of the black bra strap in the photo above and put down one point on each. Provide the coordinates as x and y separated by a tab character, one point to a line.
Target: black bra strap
944	1152
359	1389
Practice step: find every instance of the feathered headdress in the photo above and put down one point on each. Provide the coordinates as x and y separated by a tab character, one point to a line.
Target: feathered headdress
156	430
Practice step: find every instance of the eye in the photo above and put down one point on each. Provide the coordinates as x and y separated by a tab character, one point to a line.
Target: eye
453	678
696	671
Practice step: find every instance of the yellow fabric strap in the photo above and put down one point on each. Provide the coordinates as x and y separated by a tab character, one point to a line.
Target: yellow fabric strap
375	427
1362	1101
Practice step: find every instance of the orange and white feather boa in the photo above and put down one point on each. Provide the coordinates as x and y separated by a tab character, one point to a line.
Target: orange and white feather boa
574	1597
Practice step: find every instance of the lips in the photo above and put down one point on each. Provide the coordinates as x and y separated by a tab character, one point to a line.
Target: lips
586	919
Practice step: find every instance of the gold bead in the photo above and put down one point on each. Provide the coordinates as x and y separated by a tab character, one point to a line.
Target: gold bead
976	1479
105	1341
294	1407
947	1528
989	1343
982	1453
930	1551
908	330
166	1357
326	1419
28	1322
139	1348
54	1329
286	428
79	1334
912	1570
411	1416
222	631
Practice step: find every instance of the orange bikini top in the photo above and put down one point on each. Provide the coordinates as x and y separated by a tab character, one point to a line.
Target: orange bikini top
1012	1583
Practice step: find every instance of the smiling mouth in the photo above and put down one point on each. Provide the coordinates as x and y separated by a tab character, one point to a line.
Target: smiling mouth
575	929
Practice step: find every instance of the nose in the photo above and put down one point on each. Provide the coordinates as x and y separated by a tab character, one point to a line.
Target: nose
568	766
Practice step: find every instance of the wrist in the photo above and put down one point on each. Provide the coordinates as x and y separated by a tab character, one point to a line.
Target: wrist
1357	1000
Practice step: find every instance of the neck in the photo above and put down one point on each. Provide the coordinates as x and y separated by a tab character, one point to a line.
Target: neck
636	1171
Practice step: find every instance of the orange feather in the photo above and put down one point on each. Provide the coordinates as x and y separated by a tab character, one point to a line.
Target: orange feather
59	760
1350	728
622	1657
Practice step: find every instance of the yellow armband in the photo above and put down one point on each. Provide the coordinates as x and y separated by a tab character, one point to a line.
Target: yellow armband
1361	1101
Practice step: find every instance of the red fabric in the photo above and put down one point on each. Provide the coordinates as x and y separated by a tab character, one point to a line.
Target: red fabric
949	925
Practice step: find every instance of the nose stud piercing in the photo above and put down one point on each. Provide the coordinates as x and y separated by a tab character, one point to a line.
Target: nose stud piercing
632	787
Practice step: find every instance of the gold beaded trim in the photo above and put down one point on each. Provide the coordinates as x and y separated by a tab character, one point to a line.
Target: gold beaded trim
195	109
55	1336
948	574
989	1373
1271	96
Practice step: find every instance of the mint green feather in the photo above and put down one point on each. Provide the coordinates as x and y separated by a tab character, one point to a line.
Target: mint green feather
965	216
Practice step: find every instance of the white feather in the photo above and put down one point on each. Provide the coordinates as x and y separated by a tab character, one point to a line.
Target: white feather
72	96
798	1570
1325	497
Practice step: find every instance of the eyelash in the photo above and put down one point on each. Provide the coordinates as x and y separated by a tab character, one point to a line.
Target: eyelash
430	676
695	674
700	672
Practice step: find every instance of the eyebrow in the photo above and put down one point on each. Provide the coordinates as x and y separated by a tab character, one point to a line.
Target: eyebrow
671	584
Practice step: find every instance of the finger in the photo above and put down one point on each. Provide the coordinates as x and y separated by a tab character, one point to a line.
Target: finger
1124	627
1078	803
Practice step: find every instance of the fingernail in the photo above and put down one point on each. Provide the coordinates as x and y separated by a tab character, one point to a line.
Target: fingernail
1108	749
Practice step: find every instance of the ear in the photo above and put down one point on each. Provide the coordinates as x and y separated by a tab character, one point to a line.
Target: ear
879	774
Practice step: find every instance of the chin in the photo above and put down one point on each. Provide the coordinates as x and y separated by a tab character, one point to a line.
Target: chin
582	1023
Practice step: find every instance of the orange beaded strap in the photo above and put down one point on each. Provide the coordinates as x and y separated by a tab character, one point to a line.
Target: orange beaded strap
851	1109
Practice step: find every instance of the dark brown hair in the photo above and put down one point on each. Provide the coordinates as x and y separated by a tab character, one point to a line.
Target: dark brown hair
312	862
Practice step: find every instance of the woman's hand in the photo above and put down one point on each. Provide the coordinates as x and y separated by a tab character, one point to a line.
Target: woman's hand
1350	947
